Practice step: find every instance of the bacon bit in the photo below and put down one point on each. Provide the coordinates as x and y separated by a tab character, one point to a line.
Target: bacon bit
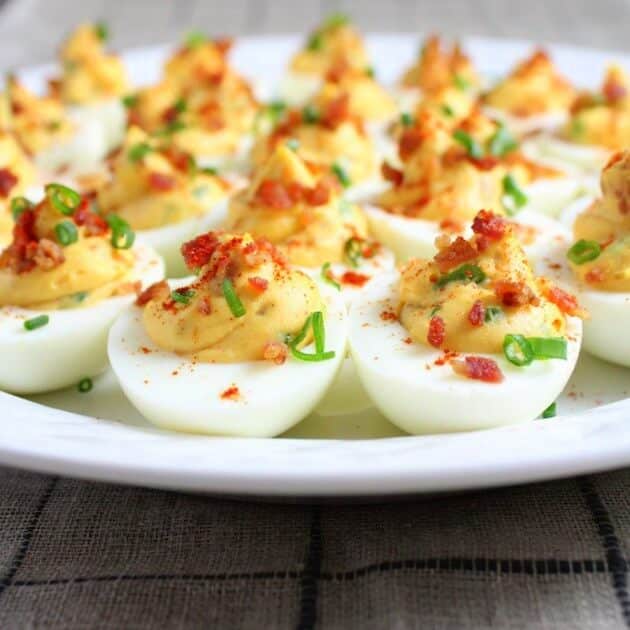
389	316
204	306
410	140
258	284
231	393
486	163
594	275
408	340
162	182
478	369
613	91
198	252
157	291
391	174
437	331
94	224
48	255
458	252
274	195
7	181
317	196
446	357
128	287
336	111
614	158
451	225
354	278
477	313
514	293
489	225
145	350
566	302
224	44
275	352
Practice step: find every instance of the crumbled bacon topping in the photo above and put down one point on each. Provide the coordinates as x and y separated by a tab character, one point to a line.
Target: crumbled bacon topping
613	91
279	196
566	302
157	291
437	331
478	369
477	313
512	293
161	182
489	225
204	306
453	255
275	352
48	254
336	111
94	224
7	181
259	285
231	393
410	141
594	275
355	279
197	252
391	174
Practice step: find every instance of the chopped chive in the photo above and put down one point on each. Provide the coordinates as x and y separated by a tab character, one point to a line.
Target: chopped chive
310	115
19	205
234	302
460	82
171	128
303	356
341	174
275	109
502	142
577	128
194	39
138	151
36	322
102	31
518	350
548	347
327	276
406	119
316	322
182	296
492	314
473	148
436	309
123	236
208	170
315	42
336	19
66	233
319	331
63	198
584	251
370	72
515	193
293	144
353	251
85	385
294	341
463	273
180	105
129	101
550	412
447	110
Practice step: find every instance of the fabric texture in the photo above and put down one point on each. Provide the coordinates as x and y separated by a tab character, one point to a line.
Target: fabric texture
85	555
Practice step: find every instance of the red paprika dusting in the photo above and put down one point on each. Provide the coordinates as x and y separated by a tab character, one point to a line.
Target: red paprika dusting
595	275
259	285
231	393
157	291
477	313
275	352
389	316
437	331
197	252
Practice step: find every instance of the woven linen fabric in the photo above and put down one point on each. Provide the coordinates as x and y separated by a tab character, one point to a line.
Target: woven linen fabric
86	555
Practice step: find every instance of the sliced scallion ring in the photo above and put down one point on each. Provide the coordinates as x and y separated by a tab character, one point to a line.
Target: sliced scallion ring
584	251
63	198
327	276
123	236
66	233
19	205
518	350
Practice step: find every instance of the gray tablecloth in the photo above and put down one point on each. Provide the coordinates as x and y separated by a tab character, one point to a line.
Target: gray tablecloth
84	555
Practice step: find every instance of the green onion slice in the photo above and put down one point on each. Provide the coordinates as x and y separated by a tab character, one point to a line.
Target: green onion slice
234	302
315	42
336	19
502	142
460	82
138	151
66	233
19	205
518	350
85	385
514	192
316	322
447	110
341	174
551	411
36	322
183	296
131	100
123	236
327	278
293	144
548	347
194	39
584	251
492	314
310	115
63	198
473	148
102	31
353	251
406	119
463	273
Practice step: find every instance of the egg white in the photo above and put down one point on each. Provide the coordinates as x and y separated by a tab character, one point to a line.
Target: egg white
525	125
296	89
605	333
168	239
346	395
238	162
175	393
584	158
551	196
421	397
110	115
415	238
72	346
570	213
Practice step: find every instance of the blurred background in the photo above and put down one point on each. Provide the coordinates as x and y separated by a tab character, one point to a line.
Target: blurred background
30	30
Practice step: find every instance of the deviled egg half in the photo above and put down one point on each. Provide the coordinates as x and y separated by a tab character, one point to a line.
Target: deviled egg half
163	195
449	172
92	82
533	97
453	342
57	139
247	347
202	105
64	278
334	42
595	265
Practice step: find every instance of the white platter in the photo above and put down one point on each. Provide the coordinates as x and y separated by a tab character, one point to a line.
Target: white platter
100	436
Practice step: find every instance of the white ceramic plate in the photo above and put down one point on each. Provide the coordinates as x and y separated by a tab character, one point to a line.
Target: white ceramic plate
100	436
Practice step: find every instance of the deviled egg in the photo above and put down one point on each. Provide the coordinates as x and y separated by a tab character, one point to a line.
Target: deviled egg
595	265
533	97
247	347
63	279
163	195
453	342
